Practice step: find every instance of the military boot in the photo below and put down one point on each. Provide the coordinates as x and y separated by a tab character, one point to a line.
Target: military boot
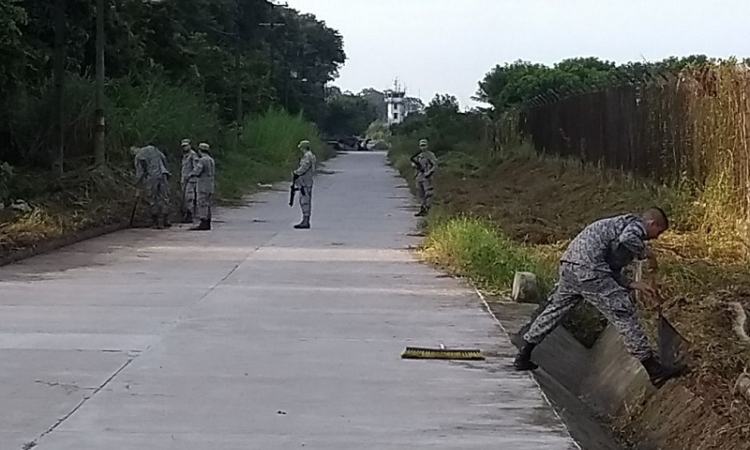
523	360
167	223
659	373
304	225
204	225
188	217
422	212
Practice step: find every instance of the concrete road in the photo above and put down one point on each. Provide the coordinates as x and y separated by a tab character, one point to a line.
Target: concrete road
258	336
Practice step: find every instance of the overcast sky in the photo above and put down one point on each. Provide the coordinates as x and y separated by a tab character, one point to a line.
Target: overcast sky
446	46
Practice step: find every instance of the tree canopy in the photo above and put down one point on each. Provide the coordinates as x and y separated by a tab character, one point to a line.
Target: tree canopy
349	115
270	55
515	83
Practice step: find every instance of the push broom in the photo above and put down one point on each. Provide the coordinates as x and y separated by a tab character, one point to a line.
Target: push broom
442	353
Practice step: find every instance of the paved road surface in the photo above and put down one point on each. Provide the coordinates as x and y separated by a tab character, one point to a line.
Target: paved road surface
258	336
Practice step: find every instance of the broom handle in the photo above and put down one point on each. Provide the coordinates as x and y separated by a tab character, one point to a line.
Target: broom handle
658	300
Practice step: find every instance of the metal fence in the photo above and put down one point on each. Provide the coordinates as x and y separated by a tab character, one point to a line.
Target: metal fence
692	127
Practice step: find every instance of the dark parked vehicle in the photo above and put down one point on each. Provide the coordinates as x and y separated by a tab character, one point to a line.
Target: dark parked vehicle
350	144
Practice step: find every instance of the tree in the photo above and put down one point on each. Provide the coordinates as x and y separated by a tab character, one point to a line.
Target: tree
99	117
59	75
311	55
214	47
513	84
414	105
377	99
442	106
12	46
348	115
443	124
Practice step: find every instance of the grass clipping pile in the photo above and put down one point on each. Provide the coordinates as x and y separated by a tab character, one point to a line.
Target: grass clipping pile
542	203
58	208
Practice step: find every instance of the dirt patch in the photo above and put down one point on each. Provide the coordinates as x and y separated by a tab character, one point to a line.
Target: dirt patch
719	357
678	418
69	209
537	200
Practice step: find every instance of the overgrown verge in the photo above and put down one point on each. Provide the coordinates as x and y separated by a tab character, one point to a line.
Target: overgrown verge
39	206
514	210
476	248
266	152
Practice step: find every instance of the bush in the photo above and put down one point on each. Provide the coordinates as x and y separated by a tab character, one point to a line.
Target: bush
266	152
162	115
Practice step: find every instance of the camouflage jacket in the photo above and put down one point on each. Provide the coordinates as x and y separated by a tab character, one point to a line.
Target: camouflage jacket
205	174
306	170
426	164
150	164
189	160
607	246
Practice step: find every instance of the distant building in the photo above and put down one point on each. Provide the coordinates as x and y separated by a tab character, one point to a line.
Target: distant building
399	105
396	101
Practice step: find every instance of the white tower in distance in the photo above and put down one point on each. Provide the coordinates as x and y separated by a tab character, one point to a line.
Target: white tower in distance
395	98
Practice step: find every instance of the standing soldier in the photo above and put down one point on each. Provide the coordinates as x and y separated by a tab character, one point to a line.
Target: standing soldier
151	170
204	174
591	270
303	180
189	160
425	164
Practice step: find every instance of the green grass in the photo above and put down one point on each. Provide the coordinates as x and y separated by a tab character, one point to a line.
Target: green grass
474	248
160	114
266	152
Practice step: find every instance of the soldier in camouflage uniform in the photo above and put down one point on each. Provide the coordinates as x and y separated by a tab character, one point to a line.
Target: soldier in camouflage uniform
204	175
151	170
425	164
189	192
303	180
591	270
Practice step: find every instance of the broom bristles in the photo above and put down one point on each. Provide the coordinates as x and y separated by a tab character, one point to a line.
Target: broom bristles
434	353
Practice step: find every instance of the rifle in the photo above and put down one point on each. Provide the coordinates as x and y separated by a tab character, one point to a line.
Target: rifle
293	190
415	160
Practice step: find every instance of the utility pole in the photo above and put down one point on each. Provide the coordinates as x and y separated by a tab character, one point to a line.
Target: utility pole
238	70
99	125
287	75
60	37
272	26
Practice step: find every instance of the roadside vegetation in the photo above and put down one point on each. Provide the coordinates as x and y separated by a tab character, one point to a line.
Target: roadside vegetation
174	69
504	205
